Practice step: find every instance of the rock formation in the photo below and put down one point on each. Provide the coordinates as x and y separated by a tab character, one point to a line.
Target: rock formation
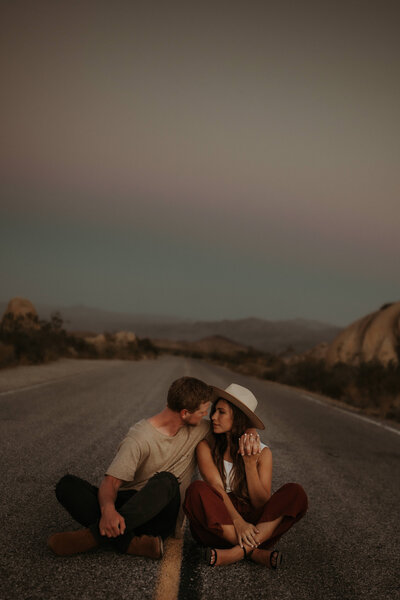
21	311
98	341
118	340
374	337
123	338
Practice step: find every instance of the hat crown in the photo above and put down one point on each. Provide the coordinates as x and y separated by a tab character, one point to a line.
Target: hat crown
244	395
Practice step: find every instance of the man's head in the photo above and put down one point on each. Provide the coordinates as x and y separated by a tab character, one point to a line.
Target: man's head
191	398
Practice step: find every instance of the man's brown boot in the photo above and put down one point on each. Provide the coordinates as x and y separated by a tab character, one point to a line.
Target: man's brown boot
146	545
72	542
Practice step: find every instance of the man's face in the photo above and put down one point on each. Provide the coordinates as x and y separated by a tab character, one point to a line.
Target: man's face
195	417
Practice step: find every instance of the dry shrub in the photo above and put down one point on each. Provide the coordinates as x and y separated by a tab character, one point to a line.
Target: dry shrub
352	395
7	355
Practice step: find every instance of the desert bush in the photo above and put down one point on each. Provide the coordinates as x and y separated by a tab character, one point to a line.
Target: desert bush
34	341
144	345
7	355
131	351
378	387
26	340
370	386
78	346
308	373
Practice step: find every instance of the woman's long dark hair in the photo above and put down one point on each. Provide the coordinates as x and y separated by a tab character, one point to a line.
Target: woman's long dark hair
239	426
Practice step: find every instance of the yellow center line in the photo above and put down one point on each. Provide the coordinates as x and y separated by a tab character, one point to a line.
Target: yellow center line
167	587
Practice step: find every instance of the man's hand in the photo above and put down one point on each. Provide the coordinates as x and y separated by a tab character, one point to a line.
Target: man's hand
249	444
112	524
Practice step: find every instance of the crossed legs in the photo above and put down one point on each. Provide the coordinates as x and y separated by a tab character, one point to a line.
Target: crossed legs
152	511
212	526
236	553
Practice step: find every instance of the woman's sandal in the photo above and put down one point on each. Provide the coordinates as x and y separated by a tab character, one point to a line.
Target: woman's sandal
275	559
210	556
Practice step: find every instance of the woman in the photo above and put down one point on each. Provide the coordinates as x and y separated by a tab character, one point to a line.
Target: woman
232	512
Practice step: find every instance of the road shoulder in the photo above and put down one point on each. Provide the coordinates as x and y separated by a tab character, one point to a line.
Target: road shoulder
25	376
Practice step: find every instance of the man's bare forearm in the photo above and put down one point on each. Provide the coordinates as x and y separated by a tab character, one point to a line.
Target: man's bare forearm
111	523
108	491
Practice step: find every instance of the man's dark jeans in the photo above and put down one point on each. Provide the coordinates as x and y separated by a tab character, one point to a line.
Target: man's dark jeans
151	510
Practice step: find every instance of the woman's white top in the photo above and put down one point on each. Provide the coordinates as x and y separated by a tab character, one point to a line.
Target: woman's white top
229	471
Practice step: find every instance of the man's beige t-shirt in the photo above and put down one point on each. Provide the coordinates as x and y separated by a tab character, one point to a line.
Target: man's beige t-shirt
146	451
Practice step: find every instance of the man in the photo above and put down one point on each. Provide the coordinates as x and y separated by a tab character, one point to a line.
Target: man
139	499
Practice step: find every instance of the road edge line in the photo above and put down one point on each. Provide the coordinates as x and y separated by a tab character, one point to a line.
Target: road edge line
352	414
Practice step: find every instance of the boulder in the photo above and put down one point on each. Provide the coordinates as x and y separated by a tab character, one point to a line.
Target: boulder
22	312
98	341
118	340
123	338
374	337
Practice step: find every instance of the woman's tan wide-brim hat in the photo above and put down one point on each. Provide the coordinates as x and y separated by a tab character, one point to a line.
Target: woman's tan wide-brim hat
243	399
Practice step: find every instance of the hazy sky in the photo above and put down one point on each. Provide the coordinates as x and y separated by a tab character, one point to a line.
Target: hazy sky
205	160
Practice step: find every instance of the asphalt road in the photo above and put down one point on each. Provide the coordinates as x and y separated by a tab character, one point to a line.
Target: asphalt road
347	547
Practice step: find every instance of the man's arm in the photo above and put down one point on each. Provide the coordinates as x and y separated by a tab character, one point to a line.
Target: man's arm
111	523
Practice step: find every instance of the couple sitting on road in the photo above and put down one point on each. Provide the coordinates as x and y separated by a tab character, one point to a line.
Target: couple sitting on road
139	503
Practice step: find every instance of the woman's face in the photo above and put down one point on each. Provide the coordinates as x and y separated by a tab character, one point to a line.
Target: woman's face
222	418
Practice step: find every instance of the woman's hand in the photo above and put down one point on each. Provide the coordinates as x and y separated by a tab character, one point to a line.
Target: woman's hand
249	444
246	532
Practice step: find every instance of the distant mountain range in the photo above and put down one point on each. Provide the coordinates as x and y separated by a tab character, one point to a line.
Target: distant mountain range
269	336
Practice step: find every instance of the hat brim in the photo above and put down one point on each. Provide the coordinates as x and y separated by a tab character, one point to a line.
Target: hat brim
258	424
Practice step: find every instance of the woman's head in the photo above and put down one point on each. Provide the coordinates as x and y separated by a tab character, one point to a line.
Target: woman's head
228	418
231	414
229	423
243	399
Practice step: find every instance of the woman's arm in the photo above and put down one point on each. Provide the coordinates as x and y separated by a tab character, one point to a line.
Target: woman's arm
246	532
259	476
207	467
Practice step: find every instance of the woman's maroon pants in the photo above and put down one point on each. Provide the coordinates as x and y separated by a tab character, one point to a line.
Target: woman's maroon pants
207	513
